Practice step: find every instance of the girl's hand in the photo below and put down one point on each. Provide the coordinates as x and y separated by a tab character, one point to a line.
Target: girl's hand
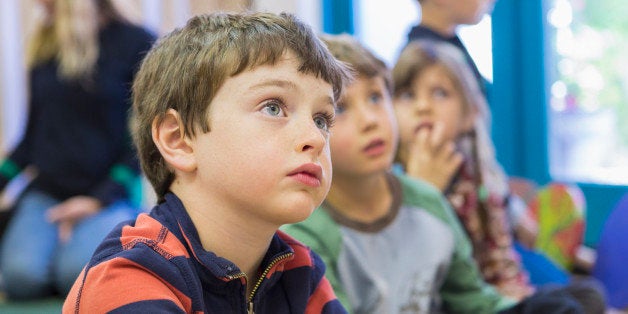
70	212
432	158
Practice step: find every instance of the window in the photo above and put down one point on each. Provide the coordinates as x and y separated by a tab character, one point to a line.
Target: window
588	91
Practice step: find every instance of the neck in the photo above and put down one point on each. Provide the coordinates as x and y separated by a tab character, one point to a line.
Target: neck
223	231
360	198
436	19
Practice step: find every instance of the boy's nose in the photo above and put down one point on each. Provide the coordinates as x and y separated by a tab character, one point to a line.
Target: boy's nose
311	138
368	118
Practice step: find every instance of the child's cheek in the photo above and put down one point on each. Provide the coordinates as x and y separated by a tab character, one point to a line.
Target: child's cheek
340	146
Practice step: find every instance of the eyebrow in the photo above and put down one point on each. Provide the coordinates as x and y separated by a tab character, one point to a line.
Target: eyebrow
289	85
278	83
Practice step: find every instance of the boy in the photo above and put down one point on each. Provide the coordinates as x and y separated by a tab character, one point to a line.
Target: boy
441	18
391	244
231	118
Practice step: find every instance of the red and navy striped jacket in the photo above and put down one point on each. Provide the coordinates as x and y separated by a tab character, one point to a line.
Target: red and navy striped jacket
156	264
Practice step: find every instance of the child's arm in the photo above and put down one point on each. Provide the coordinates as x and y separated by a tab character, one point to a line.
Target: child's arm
123	286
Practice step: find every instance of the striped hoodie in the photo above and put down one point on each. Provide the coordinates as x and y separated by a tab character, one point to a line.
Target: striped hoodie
156	264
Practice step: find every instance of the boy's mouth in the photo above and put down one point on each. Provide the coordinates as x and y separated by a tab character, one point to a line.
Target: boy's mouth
375	147
309	174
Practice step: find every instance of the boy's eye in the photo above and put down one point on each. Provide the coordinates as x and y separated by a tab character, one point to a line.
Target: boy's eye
324	121
273	109
340	108
375	97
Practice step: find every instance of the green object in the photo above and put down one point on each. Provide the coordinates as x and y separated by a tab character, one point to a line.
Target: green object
42	306
9	169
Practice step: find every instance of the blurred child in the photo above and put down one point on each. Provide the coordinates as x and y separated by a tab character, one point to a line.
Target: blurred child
231	117
557	235
440	20
443	121
81	62
391	243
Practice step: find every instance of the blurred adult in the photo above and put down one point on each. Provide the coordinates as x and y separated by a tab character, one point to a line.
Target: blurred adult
81	61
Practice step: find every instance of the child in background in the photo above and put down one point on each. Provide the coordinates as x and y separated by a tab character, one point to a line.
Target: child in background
391	243
557	235
231	117
443	120
440	20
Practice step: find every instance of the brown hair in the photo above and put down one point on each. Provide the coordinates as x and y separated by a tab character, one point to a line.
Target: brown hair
361	60
186	68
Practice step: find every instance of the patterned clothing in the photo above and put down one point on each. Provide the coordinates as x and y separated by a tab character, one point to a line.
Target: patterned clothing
417	259
485	220
156	264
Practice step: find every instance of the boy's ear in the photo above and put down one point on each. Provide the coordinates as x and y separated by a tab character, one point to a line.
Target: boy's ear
173	144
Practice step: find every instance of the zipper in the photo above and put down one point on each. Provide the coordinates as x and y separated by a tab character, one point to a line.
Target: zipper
261	279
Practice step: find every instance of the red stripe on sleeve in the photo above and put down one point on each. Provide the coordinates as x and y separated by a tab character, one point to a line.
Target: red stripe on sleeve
321	296
119	282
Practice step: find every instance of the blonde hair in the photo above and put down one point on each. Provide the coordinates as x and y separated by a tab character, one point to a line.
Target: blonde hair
70	36
419	55
186	68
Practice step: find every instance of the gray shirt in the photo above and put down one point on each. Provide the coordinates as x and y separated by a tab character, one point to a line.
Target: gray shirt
384	267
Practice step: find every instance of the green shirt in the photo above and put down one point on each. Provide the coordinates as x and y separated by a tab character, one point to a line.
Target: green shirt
418	259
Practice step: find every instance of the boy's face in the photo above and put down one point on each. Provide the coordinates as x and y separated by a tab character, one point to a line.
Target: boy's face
433	98
267	151
364	135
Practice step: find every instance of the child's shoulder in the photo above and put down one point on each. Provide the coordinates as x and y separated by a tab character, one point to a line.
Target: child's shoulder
418	192
319	232
140	240
303	255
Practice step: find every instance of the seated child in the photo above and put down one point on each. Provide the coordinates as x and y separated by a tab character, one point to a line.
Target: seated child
443	125
231	117
444	141
391	243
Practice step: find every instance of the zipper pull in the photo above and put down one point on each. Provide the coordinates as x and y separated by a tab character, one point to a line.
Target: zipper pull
250	310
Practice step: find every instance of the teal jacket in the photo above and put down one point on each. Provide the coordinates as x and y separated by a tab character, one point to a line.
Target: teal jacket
463	290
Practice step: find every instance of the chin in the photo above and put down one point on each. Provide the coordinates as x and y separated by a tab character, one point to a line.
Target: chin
297	212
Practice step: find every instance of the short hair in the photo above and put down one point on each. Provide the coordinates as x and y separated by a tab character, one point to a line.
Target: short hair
361	60
185	69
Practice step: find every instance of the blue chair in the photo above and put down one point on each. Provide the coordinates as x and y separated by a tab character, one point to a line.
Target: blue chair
611	266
